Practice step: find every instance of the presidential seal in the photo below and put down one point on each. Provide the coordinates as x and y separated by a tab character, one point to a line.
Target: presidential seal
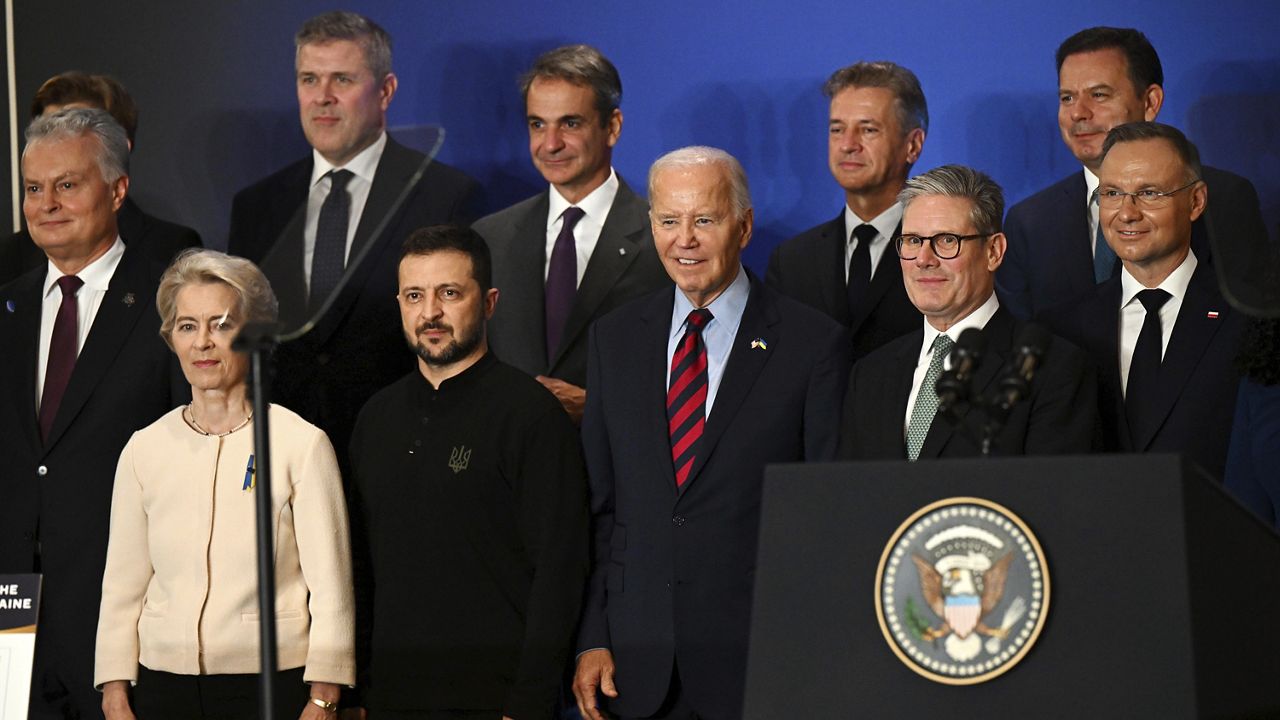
962	591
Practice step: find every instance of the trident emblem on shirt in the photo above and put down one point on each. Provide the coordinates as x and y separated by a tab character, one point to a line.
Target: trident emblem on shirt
459	459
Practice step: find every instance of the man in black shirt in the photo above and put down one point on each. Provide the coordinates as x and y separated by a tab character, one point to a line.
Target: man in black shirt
469	510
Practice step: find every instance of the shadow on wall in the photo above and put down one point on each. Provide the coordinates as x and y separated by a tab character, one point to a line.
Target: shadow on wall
1236	125
1014	138
244	146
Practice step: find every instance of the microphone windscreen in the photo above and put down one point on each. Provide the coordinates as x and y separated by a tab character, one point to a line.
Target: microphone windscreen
972	342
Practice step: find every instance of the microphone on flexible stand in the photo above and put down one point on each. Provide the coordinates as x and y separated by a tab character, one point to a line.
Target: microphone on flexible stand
1029	353
953	385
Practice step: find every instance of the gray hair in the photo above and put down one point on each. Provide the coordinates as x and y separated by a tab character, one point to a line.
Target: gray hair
913	111
196	266
580	65
340	25
695	155
985	198
113	143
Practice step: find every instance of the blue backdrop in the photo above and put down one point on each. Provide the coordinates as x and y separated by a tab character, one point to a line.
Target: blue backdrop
215	86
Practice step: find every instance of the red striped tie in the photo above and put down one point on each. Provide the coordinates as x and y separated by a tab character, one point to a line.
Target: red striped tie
687	396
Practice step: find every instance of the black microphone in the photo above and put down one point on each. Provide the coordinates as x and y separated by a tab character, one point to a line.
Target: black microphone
953	385
1029	351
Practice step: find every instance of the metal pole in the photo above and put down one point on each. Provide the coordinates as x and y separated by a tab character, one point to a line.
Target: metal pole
266	547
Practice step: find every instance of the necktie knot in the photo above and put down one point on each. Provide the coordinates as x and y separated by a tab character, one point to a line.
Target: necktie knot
69	284
1153	299
865	233
942	345
571	216
698	319
338	180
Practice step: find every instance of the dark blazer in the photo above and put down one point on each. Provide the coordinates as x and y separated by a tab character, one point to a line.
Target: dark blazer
57	494
156	238
674	569
1198	379
1049	260
1059	416
357	348
623	266
810	267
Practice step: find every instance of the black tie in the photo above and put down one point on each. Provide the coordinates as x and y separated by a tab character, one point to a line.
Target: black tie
860	267
329	258
1144	369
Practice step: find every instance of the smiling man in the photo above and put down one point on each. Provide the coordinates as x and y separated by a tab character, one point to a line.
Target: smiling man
1106	77
307	224
950	247
469	512
846	267
1160	332
83	367
693	391
567	256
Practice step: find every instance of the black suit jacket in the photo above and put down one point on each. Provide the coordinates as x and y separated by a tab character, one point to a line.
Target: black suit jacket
810	267
1059	415
57	494
358	347
674	569
623	266
156	238
1197	382
1049	260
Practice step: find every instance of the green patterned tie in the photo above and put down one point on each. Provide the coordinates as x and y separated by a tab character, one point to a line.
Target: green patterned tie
927	400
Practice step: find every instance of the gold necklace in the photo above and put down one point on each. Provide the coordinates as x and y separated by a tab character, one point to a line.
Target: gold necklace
191	413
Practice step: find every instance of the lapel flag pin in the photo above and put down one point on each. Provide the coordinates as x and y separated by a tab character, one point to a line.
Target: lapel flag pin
1212	314
622	251
10	306
759	344
129	300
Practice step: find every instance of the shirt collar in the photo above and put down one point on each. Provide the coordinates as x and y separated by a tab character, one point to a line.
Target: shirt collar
976	319
96	275
1176	284
1091	183
885	223
595	205
363	165
727	308
463	380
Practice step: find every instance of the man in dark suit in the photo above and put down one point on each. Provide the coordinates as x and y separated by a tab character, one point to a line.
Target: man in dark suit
155	237
1106	77
567	256
83	368
1160	332
950	248
847	267
306	235
693	392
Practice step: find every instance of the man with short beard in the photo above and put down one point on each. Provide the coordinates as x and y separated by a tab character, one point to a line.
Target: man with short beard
469	511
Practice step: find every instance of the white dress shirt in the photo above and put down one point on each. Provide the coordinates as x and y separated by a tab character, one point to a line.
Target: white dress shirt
976	319
1090	185
884	223
586	233
363	167
96	277
726	316
1132	312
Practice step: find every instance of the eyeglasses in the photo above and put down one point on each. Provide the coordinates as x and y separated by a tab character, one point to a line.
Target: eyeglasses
1113	198
944	245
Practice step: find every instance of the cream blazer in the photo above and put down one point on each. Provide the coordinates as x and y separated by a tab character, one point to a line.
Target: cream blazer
180	591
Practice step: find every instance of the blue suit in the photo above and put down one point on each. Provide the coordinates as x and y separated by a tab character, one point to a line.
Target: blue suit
674	568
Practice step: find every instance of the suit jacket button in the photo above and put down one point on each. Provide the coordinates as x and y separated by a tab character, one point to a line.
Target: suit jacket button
677	520
42	470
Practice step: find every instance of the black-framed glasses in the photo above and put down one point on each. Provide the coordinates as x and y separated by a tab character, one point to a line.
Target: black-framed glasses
944	245
1112	198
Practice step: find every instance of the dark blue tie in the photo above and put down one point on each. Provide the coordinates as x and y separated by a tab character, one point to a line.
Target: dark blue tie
1104	258
329	257
562	280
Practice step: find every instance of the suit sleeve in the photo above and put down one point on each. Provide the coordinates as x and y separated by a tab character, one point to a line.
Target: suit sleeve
593	629
241	235
1064	418
125	580
554	525
825	394
1011	276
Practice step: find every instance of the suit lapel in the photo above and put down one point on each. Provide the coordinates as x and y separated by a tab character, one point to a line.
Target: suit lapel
898	391
652	377
615	251
1079	257
1105	316
528	298
26	310
283	264
1193	332
888	271
128	297
832	264
999	339
740	372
